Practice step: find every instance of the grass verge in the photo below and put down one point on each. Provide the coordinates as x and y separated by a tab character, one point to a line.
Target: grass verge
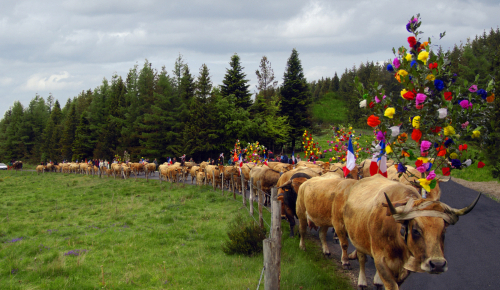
67	231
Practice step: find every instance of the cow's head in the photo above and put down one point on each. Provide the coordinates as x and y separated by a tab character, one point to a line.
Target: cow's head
424	224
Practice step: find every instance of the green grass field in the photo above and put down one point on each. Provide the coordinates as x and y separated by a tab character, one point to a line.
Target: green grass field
63	231
330	110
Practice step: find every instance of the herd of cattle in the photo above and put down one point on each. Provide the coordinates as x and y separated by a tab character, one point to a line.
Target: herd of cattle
389	219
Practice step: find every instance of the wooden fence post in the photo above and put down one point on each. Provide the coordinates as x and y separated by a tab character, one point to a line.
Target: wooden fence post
261	202
272	246
232	185
243	189
251	198
206	177
146	171
222	184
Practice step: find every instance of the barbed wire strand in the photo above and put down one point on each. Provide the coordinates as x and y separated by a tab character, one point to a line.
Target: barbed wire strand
263	268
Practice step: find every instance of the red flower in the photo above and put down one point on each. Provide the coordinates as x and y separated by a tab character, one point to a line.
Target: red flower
416	135
441	151
480	164
436	129
447	96
464	146
419	107
371	105
433	65
412	41
373	121
419	163
446	171
409	96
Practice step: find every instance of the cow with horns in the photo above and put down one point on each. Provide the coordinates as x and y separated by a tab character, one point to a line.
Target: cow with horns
391	222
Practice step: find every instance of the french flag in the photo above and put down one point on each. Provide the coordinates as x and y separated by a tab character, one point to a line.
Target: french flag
169	160
379	165
293	157
351	159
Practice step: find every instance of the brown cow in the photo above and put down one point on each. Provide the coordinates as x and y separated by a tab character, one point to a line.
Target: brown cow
40	168
194	170
314	206
376	230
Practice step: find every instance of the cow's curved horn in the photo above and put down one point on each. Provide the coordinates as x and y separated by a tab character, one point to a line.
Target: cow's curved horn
286	184
442	180
389	204
466	210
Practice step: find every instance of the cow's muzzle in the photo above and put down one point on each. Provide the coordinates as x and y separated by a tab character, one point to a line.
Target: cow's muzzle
435	265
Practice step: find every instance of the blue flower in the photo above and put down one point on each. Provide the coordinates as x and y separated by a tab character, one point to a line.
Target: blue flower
439	85
482	93
401	168
390	68
436	145
448	142
455	163
413	62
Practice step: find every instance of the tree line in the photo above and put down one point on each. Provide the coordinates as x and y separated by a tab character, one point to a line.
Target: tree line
154	114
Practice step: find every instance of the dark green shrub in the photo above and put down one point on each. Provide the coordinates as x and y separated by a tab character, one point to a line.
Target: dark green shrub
245	237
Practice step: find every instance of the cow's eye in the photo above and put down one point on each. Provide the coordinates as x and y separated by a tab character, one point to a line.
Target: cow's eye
415	233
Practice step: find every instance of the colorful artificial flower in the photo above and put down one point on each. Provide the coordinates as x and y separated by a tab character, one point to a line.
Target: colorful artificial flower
416	122
401	168
431	175
412	41
448	142
455	163
377	100
476	134
394	131
373	121
388	149
465	104
410	24
446	171
443	112
491	98
482	93
396	63
402	138
449	130
389	112
408	57
416	135
436	129
402	72
423	56
409	96
390	68
420	98
425	183
380	136
371	105
447	96
430	77
433	65
362	104
473	89
425	145
480	164
414	63
439	85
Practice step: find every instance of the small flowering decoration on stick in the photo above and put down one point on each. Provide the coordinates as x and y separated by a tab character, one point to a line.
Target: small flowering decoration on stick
254	150
423	125
340	142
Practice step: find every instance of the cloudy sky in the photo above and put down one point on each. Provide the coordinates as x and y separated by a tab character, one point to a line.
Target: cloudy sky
64	47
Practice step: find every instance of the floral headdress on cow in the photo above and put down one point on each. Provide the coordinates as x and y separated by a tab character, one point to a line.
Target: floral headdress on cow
254	151
425	125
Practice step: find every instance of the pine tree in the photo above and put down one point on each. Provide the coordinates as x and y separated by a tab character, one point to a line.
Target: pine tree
234	83
82	145
187	85
69	133
295	100
266	80
203	84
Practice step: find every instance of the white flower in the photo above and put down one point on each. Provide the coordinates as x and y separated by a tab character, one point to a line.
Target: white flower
362	104
468	162
443	112
395	131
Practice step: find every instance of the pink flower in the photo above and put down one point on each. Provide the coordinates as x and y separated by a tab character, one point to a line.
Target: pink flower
324	151
431	175
464	125
330	150
420	99
377	100
473	89
396	63
421	169
466	104
425	145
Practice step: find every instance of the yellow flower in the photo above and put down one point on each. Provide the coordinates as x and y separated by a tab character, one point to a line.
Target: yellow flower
425	183
404	91
424	159
402	72
388	149
398	78
476	134
430	77
408	57
416	122
449	130
350	128
355	142
389	112
454	155
422	56
307	138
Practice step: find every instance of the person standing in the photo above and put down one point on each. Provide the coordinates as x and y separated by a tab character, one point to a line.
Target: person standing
156	164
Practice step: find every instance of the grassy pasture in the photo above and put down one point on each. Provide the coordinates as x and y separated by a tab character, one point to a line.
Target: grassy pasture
63	231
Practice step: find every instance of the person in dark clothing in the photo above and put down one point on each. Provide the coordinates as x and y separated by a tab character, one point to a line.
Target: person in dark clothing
156	164
284	159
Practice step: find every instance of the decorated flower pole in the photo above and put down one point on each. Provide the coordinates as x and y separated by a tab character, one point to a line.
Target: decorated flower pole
254	150
311	149
424	125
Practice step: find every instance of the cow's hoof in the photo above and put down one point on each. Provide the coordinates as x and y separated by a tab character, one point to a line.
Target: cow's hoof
335	240
346	266
327	254
362	287
378	287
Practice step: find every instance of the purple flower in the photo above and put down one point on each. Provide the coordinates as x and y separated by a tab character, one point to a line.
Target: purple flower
455	163
396	63
448	142
431	175
425	145
473	89
421	169
410	24
377	100
75	252
420	99
15	240
380	136
466	104
482	93
439	85
401	168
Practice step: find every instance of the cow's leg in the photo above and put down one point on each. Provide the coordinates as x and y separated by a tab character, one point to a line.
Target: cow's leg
302	232
291	220
344	244
362	276
322	236
385	274
378	282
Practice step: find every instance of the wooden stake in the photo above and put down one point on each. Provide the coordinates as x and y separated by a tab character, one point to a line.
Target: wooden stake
251	197
243	189
261	197
272	246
